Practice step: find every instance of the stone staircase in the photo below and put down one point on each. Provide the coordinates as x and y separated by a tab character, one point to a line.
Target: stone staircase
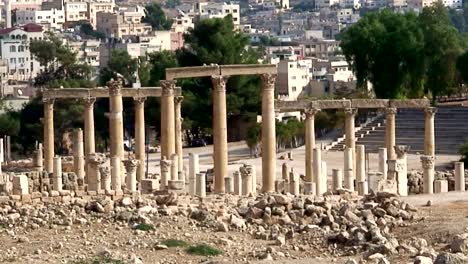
451	130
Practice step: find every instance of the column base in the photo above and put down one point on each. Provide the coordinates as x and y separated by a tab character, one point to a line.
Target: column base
309	188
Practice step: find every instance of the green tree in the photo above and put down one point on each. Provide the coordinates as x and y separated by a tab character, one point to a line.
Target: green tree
87	30
155	16
120	62
442	46
171	3
385	48
160	61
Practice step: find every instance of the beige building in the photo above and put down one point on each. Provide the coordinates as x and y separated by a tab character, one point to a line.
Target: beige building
121	24
76	11
96	6
293	78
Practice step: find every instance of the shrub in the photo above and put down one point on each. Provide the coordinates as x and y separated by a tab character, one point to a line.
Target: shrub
175	243
204	250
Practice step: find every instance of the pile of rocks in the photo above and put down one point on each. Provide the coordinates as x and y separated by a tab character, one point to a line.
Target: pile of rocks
415	180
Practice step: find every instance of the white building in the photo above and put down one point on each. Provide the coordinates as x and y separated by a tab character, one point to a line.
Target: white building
76	11
319	4
218	10
293	78
54	18
14	48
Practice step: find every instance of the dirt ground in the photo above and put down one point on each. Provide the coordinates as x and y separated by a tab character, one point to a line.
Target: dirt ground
77	243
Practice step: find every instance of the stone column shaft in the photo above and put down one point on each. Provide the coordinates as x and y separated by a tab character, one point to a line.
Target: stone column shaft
89	137
78	154
459	176
193	170
167	119
428	163
402	169
201	184
116	173
131	166
57	182
383	168
220	149
178	131
429	135
390	140
94	176
318	171
165	166
237	183
49	135
310	143
293	184
337	179
174	167
116	120
268	133
140	136
348	169
360	163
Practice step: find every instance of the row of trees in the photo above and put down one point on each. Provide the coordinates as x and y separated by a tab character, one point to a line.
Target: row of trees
406	55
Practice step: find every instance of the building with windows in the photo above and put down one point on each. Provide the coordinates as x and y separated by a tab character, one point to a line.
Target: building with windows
76	11
51	19
293	78
118	25
96	6
14	48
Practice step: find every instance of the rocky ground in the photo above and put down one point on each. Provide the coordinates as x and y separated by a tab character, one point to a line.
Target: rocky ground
280	228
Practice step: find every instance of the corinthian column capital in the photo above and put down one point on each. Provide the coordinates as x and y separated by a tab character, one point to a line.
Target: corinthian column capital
115	87
268	81
219	82
427	162
430	111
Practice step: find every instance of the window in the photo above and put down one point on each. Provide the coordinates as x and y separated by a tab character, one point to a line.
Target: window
294	88
13	60
20	48
39	17
293	77
12	49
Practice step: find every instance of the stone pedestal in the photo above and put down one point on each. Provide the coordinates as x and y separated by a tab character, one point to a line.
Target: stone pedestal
280	187
246	173
57	181
294	184
49	135
149	185
193	170
373	179
309	188
78	155
140	136
220	150
167	120
402	169
116	173
176	186
337	177
429	137
38	158
237	183
318	171
390	132
229	184
362	188
116	120
348	169
268	133
201	185
174	167
309	143
428	164
440	186
20	184
165	166
383	162
459	176
106	181
131	168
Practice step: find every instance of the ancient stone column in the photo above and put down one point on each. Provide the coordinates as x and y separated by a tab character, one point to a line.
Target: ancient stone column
459	176
57	182
78	154
237	183
318	171
285	178
254	179
49	135
268	133
348	169
383	162
429	136
428	164
201	185
116	119
89	138
131	168
140	136
246	173
402	169
337	179
39	161
105	176
220	150
350	114
178	131
324	179
174	167
360	165
440	186
2	151
390	140
165	166
193	170
309	146
228	183
167	118
116	173
293	183
94	177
